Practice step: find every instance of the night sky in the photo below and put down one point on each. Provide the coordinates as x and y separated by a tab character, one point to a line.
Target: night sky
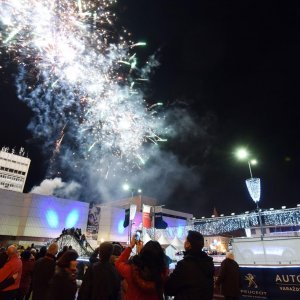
233	66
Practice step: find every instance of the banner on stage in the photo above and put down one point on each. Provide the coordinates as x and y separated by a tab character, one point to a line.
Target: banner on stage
92	227
132	211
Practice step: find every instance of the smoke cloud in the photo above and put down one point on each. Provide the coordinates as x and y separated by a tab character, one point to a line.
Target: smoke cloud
57	187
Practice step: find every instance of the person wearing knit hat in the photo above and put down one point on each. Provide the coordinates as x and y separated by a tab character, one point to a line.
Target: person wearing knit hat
101	281
63	284
193	276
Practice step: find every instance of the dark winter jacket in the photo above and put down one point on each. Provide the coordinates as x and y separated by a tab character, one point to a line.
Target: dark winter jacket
62	286
27	271
229	278
192	278
42	273
101	282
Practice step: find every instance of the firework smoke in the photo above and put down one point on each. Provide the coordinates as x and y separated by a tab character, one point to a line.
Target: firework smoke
58	187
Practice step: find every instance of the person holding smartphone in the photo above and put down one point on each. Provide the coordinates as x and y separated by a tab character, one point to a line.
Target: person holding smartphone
145	272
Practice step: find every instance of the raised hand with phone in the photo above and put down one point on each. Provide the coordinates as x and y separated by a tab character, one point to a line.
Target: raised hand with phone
136	241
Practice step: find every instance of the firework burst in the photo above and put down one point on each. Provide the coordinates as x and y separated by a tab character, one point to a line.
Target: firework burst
75	69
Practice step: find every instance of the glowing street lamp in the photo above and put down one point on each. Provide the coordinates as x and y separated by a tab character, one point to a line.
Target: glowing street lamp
126	187
243	154
253	184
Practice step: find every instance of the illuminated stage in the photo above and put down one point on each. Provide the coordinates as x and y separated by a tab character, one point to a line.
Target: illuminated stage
32	217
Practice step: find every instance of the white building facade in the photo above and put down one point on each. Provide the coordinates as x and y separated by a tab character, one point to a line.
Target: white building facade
33	216
13	170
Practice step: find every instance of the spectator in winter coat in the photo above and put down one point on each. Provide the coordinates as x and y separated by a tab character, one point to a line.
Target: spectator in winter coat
43	272
101	281
229	278
63	285
193	276
12	266
27	271
145	273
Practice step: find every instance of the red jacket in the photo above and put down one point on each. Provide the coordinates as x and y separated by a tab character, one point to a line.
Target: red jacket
138	288
13	265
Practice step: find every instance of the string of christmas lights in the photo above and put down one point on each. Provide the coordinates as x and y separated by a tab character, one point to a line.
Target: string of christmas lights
221	225
280	217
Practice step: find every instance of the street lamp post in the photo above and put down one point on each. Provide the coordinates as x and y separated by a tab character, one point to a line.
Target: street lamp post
127	187
252	183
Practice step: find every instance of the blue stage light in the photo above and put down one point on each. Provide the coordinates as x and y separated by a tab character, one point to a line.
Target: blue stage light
72	218
52	218
121	227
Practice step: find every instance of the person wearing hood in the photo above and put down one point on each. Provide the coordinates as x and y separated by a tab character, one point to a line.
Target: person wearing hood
145	273
193	276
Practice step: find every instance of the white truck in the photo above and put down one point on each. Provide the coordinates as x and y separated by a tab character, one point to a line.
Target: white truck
267	251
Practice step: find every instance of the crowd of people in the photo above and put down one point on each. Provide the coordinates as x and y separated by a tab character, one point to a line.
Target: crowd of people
76	232
113	273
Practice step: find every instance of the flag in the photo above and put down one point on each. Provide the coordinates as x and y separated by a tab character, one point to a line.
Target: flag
132	211
146	216
126	220
159	222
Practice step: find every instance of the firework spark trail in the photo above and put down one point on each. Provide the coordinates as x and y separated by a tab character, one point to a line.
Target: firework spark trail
70	72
